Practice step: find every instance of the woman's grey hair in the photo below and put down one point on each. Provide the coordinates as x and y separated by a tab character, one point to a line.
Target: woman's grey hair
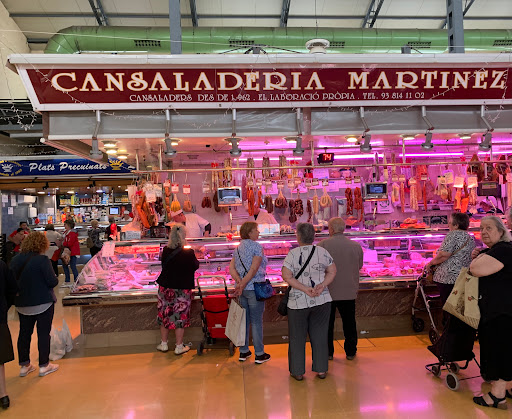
177	236
505	234
306	233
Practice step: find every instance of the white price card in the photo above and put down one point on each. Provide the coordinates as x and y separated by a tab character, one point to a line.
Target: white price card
107	249
5	198
308	182
297	180
206	187
314	182
186	189
167	183
250	182
325	182
175	187
401	178
291	183
259	182
10	210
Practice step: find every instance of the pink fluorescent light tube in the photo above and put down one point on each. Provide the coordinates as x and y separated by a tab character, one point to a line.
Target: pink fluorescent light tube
357	156
431	155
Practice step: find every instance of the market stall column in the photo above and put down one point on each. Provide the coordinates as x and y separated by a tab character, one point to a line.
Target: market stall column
196	226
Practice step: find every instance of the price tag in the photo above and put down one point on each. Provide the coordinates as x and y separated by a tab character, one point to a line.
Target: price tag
308	183
175	187
348	181
291	183
206	187
424	177
10	210
325	182
401	178
268	183
280	183
259	182
314	182
357	179
250	182
297	181
394	178
167	183
186	189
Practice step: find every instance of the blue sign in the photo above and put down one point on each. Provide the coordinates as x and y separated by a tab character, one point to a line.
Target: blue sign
59	167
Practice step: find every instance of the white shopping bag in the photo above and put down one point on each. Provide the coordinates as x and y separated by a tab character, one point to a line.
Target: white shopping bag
235	326
60	342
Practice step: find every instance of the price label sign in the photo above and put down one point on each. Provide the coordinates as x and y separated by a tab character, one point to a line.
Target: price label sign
394	178
259	182
357	179
175	187
280	183
186	189
308	182
401	178
325	182
206	187
314	182
425	177
348	181
167	183
250	182
297	181
291	183
268	183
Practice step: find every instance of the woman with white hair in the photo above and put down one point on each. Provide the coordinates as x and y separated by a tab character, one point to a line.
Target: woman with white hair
176	282
308	270
494	268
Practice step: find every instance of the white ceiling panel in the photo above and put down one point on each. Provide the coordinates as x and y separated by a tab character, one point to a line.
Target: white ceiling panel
258	23
324	23
230	7
491	8
414	8
408	24
45	6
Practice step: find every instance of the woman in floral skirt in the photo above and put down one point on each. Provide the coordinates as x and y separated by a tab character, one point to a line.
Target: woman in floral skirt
176	283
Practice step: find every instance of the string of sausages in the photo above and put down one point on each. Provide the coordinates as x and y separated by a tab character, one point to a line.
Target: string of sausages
350	201
358	202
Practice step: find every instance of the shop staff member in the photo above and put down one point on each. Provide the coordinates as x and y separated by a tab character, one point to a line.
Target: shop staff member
348	258
261	216
196	226
18	235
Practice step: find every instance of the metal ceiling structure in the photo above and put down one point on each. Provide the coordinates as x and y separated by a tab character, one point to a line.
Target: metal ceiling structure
39	20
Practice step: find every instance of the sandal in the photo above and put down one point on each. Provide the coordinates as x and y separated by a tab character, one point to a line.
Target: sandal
497	403
322	375
298	377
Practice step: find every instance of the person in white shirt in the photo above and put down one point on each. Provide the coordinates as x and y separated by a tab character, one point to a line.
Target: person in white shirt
196	226
262	216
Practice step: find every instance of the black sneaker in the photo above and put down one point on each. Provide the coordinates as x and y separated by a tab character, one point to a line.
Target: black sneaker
244	355
260	359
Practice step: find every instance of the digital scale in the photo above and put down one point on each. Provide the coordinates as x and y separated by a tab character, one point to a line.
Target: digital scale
375	191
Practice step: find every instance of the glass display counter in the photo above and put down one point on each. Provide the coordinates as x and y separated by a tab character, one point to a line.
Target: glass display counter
391	259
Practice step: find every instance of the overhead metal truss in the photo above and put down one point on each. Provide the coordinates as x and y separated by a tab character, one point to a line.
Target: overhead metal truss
193	13
372	13
285	11
99	13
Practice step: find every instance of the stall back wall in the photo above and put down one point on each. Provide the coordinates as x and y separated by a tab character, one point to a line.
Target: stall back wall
220	220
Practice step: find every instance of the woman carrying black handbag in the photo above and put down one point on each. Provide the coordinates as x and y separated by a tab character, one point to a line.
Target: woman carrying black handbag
308	270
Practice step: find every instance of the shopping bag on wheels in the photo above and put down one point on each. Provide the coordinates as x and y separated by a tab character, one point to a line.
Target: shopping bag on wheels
463	300
235	325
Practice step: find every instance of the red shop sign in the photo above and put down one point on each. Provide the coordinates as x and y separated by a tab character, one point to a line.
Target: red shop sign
326	85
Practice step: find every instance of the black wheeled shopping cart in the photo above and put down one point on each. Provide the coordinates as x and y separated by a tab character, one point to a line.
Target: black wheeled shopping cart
453	346
431	300
214	316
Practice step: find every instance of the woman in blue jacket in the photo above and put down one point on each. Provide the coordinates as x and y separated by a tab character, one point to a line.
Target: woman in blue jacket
35	301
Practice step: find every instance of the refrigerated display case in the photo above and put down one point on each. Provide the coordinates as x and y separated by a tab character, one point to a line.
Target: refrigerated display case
391	259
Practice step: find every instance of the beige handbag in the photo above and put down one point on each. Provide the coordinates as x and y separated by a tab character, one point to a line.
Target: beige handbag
463	300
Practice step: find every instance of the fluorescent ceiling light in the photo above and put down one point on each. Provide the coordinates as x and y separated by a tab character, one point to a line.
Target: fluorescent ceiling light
111	151
291	139
122	156
408	136
356	156
41	192
99	191
431	155
352	139
465	136
71	192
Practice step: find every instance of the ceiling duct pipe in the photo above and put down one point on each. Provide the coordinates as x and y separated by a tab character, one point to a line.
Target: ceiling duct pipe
204	40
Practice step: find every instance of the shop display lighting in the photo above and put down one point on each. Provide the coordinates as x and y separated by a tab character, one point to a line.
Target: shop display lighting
169	151
465	136
486	141
111	151
109	144
99	191
235	151
41	192
427	145
366	146
408	136
175	141
122	156
352	139
454	154
71	192
357	156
